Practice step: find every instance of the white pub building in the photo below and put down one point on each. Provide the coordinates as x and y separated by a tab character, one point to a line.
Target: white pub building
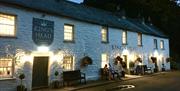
39	37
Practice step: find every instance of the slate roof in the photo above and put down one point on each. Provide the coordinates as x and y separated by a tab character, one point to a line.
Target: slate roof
84	13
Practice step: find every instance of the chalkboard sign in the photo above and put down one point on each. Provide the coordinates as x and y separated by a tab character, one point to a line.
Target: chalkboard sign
42	32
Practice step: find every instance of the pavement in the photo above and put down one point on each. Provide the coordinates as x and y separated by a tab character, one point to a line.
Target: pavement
98	83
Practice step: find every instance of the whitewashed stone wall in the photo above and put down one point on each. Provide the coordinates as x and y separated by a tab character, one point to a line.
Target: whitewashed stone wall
87	42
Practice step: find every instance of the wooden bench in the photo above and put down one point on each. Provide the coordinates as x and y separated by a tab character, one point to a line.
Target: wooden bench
69	76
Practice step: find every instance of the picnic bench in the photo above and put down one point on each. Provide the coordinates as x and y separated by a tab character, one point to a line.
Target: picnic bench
69	76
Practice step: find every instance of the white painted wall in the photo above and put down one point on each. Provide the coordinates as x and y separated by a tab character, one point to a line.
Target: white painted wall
87	42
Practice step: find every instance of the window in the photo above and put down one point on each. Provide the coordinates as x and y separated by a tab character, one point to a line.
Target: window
162	44
68	32
7	25
139	39
104	34
124	37
68	63
6	68
104	59
155	44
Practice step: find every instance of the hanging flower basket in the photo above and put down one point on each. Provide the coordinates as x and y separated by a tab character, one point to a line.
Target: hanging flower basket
86	61
119	58
139	59
153	59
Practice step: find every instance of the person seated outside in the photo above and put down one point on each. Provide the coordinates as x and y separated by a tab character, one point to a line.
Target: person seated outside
111	72
117	71
106	71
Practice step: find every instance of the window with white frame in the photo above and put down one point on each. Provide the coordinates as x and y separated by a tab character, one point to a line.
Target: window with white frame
104	34
124	37
155	44
68	62
7	25
139	39
104	59
68	32
6	68
162	44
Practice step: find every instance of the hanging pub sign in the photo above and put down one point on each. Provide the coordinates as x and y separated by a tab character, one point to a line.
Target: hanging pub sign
43	31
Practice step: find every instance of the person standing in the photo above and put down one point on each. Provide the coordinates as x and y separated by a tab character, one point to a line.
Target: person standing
106	71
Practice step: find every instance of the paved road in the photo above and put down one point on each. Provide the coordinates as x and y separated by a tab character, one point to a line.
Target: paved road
162	82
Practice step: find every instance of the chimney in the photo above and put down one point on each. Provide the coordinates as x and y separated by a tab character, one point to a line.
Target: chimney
123	12
149	20
143	20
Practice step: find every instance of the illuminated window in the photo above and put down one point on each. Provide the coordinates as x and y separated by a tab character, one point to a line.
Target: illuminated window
139	39
124	37
104	59
6	68
162	44
155	44
68	63
104	34
7	25
68	32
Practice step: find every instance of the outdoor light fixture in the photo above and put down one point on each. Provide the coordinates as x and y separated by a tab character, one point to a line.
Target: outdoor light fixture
43	49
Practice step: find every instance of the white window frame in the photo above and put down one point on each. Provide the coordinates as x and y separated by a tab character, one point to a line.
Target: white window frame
104	60
68	32
67	65
104	34
124	37
162	44
6	69
7	25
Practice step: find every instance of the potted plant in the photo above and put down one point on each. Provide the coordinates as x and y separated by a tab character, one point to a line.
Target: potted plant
21	87
56	81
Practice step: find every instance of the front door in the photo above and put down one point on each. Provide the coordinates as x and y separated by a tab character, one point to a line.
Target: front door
40	72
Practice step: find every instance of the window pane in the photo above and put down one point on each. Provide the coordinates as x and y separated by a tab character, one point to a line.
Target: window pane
155	43
6	68
104	59
68	63
124	37
68	32
162	44
104	34
7	25
139	39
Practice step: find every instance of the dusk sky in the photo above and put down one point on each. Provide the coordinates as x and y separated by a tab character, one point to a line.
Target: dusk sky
78	1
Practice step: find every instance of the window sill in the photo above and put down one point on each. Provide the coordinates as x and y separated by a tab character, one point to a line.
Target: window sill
5	79
105	42
162	48
125	44
9	37
140	45
68	41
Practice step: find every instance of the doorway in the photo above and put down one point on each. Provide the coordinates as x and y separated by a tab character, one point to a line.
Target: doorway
40	72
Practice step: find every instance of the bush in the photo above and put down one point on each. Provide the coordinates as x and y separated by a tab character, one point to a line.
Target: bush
174	65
